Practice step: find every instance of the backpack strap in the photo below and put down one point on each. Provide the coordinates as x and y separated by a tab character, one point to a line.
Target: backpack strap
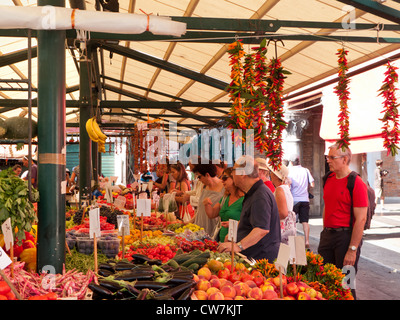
351	180
325	177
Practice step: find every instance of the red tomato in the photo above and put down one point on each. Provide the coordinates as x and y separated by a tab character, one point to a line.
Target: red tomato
256	273
4	288
234	276
259	280
42	297
224	273
11	296
51	296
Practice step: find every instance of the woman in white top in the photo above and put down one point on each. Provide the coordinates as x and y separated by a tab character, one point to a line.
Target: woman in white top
284	200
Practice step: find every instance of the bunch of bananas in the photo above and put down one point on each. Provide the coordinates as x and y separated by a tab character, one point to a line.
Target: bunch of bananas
95	134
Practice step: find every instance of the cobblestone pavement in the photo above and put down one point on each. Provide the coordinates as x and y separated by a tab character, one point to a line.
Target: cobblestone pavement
378	277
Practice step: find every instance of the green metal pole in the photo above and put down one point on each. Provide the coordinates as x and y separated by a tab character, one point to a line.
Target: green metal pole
85	144
51	146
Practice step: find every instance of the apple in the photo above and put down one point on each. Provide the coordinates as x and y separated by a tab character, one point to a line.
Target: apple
270	295
267	286
205	272
259	280
216	296
277	280
303	296
311	292
215	282
200	295
228	291
241	288
302	286
292	289
255	293
203	285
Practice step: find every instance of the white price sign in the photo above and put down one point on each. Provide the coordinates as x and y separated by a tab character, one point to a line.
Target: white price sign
94	223
123	224
5	260
7	233
143	207
232	232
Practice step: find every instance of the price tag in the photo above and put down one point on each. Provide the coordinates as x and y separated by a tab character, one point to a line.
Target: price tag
120	202
123	224
283	257
94	223
232	232
7	233
144	206
5	260
297	250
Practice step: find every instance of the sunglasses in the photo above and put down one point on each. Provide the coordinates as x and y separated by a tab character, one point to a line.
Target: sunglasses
224	177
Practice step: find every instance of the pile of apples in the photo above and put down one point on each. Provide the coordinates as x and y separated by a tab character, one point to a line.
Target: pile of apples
221	281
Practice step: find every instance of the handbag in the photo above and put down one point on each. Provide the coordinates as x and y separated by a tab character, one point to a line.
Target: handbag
215	235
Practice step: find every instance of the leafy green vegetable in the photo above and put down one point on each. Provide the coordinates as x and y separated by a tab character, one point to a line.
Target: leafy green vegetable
15	204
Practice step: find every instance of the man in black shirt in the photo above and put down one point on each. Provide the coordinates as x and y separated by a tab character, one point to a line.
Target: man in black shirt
258	234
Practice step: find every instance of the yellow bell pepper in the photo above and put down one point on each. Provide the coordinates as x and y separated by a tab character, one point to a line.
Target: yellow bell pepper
28	255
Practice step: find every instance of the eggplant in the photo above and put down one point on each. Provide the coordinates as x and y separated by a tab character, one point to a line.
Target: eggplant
100	291
141	258
177	280
107	266
176	291
110	285
131	275
122	265
186	294
152	285
105	272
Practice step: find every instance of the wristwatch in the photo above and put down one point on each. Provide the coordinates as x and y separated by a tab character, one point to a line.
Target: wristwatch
353	248
239	244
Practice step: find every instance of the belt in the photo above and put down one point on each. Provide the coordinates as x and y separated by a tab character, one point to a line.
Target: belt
338	229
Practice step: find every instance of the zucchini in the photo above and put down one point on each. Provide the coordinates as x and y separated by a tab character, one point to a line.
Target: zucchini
173	263
182	258
200	259
194	266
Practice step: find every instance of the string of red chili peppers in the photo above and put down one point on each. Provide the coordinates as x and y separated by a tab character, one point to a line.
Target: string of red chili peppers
390	119
275	122
343	93
236	115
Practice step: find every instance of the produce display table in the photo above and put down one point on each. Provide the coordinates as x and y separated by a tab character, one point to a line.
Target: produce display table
167	260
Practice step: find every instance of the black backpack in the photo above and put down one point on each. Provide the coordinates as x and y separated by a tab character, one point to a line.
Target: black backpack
350	186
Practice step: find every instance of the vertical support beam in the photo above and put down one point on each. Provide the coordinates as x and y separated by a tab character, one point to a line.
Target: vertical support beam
85	144
51	145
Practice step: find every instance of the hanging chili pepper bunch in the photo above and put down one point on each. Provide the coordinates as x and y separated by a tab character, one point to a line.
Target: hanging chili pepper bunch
343	93
136	147
275	113
390	119
260	102
237	116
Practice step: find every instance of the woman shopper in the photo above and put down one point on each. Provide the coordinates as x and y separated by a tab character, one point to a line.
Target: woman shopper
284	200
182	185
229	207
213	189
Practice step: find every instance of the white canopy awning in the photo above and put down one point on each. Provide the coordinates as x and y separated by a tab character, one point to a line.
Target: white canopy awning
365	106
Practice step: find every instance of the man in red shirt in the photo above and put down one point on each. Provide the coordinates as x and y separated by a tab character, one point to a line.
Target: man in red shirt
341	239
